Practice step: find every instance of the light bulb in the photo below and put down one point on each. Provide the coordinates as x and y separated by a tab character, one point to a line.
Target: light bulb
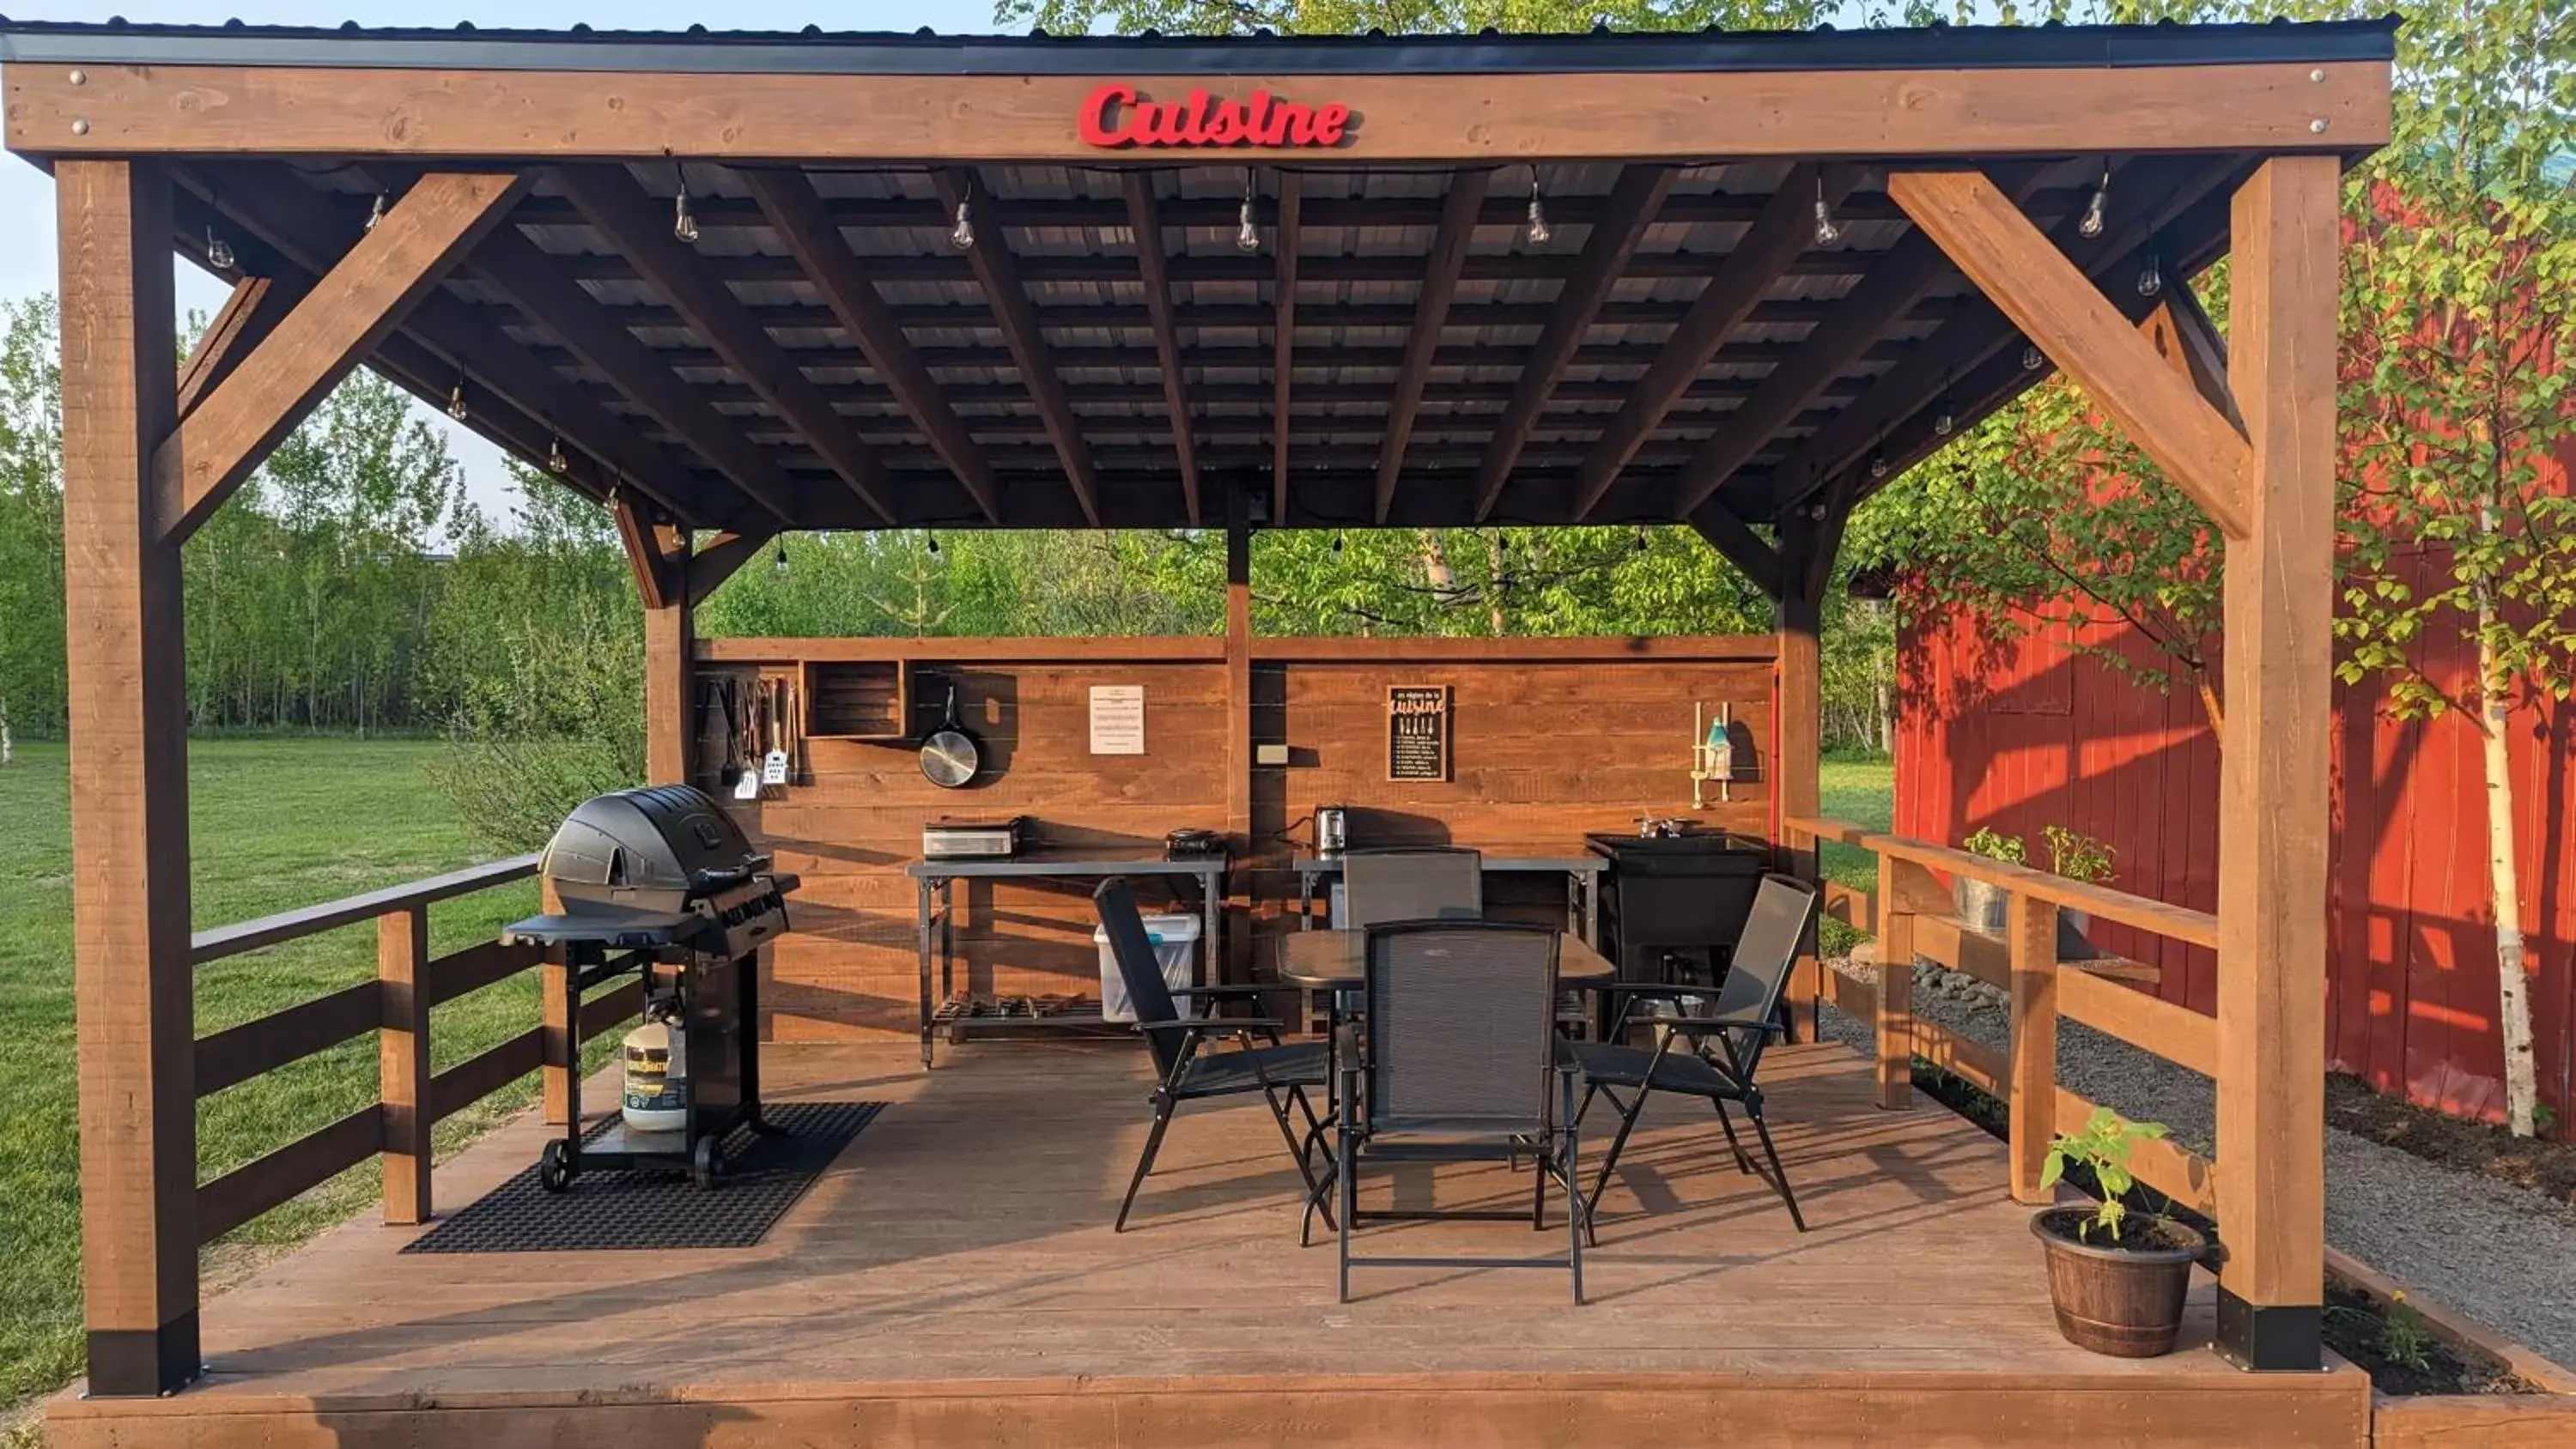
556	462
778	560
1877	466
1247	235
456	407
2032	360
376	211
962	235
2097	209
1539	230
1942	425
1826	232
2151	279
219	252
1642	544
931	539
683	225
1337	545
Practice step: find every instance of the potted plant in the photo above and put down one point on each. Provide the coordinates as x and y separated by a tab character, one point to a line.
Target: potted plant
2115	1279
1981	903
2076	856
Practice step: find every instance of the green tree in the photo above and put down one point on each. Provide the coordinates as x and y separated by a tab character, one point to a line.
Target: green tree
1398	17
31	521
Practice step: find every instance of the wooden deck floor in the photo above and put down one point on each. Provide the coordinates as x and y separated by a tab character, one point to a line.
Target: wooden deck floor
952	1280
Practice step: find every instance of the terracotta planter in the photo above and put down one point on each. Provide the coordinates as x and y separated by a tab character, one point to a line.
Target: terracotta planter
2122	1301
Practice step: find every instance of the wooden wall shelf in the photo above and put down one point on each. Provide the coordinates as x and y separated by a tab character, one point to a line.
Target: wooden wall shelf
858	700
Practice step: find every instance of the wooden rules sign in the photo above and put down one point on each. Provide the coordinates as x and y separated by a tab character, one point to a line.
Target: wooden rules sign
1417	732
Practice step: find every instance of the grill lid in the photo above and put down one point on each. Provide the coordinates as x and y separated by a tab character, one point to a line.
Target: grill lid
655	848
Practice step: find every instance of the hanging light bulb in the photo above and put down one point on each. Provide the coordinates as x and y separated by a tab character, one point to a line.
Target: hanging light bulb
376	211
1247	235
931	539
1643	544
683	225
2097	207
1944	424
962	235
1337	545
456	407
1878	465
1539	230
2151	278
556	462
2032	359
778	560
219	252
1827	233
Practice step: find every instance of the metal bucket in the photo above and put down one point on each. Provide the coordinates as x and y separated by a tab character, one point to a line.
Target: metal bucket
1981	904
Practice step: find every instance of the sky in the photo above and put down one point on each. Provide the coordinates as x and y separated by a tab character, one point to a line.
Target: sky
27	194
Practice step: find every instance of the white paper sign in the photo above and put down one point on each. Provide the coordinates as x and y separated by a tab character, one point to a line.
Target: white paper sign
1118	719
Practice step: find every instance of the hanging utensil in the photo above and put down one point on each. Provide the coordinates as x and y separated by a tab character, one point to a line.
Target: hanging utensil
950	756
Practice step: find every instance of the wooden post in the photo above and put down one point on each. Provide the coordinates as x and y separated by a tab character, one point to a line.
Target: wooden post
670	651
2272	771
2030	931
131	955
1895	989
1806	558
402	1062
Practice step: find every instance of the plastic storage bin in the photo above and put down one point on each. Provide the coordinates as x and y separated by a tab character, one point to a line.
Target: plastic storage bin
1176	949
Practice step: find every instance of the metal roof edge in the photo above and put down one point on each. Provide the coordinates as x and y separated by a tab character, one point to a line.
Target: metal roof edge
848	53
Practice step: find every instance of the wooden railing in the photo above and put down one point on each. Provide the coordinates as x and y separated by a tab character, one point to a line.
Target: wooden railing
1912	914
396	1007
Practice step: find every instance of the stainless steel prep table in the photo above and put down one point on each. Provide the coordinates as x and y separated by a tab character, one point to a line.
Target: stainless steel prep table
935	883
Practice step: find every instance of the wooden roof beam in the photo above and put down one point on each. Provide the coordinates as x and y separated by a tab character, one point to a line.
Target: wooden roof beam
997	272
1886	293
623	213
1283	338
254	309
1460	214
2060	309
798	214
719	557
1145	223
527	276
1742	547
1785	229
351	308
1943	365
526	406
2182	334
1635	198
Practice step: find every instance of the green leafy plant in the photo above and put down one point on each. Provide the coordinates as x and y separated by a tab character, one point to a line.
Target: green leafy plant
2103	1147
2077	856
2404	1336
1994	845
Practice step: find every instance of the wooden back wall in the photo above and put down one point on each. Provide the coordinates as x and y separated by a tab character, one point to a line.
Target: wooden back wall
1549	739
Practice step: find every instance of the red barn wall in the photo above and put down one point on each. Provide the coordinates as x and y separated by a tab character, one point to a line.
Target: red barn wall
2023	731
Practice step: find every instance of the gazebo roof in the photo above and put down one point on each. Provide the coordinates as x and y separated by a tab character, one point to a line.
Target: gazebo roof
1685	341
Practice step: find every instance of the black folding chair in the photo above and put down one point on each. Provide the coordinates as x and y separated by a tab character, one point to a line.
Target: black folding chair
1281	1074
1430	883
1459	1066
1740	1022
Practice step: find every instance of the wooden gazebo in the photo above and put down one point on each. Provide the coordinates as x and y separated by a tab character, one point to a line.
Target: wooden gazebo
731	285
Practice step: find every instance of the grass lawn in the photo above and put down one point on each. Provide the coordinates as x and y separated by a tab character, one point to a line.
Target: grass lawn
1862	790
276	823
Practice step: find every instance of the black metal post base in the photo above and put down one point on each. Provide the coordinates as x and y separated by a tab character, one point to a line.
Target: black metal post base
2270	1337
141	1363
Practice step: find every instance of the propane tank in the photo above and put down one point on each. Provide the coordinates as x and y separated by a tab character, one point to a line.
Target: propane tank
657	1074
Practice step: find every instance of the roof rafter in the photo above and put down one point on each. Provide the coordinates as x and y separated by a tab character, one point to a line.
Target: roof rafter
997	272
797	213
529	278
1635	198
1459	216
1785	228
622	211
1887	292
1283	339
1145	223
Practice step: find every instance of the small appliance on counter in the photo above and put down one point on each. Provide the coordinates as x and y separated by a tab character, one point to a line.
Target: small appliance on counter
973	839
1191	843
1332	829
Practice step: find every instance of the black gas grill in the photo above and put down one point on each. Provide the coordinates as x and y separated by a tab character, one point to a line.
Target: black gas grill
660	882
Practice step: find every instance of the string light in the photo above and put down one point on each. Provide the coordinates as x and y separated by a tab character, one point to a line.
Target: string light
2032	360
556	462
376	211
1943	424
1539	230
778	560
456	407
962	235
219	252
1826	232
1643	544
1247	234
2097	208
2151	279
931	539
683	225
1337	545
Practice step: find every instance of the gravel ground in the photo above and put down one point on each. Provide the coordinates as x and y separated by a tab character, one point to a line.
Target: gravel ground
2503	1255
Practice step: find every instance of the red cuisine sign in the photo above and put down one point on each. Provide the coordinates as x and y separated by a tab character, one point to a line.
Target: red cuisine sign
1118	116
